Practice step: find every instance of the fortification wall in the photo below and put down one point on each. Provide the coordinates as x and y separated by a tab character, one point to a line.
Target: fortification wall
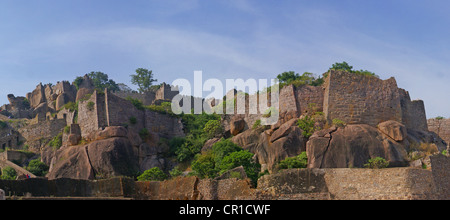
146	98
293	101
441	175
117	187
413	112
310	184
309	96
357	99
43	130
441	127
88	114
164	125
351	184
119	112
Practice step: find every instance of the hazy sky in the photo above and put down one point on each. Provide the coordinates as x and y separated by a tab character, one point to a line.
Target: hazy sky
52	40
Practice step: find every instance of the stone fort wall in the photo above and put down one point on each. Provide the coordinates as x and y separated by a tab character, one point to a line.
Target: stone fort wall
441	127
357	99
352	98
102	110
324	184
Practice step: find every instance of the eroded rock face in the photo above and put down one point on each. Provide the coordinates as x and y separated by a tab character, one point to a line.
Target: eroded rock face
237	126
352	146
287	142
100	159
394	130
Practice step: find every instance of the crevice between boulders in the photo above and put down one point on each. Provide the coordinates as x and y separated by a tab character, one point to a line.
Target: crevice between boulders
328	146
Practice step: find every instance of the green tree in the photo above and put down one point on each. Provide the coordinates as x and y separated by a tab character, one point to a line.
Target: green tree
143	79
204	165
102	81
154	174
344	66
8	173
37	167
189	148
241	158
213	128
222	149
288	77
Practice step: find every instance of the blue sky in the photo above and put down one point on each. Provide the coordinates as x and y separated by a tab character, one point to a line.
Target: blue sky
52	40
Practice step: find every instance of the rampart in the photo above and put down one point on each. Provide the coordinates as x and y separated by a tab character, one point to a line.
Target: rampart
441	127
41	132
352	98
102	110
358	99
305	184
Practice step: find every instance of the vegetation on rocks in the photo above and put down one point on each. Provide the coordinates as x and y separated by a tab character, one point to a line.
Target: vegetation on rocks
377	163
225	155
298	162
8	173
154	174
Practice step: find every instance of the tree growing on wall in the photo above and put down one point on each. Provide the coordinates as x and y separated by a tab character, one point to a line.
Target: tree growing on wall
143	79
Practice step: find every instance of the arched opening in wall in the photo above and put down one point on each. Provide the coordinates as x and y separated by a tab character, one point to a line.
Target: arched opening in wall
3	146
65	117
9	144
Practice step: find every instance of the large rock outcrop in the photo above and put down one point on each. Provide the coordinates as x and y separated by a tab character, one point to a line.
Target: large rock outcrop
271	147
100	159
353	146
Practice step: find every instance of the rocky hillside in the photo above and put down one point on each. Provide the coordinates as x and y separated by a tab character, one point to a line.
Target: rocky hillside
345	121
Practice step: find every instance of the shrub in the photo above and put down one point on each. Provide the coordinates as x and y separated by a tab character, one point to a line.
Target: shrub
222	149
338	123
204	166
298	162
213	128
225	155
67	129
3	125
56	142
175	172
90	105
257	124
8	173
154	174
143	133
307	126
377	163
136	102
37	167
188	148
72	106
133	120
241	158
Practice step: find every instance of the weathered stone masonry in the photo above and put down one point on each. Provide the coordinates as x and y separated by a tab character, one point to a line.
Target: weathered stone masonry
441	127
305	184
106	109
357	99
